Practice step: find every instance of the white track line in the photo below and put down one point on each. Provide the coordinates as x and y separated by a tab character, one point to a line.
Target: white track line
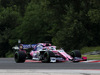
91	61
48	72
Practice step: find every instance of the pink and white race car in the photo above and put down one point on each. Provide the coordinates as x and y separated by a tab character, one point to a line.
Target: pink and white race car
45	52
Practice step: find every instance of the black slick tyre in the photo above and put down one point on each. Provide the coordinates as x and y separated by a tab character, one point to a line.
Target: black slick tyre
47	55
20	57
76	53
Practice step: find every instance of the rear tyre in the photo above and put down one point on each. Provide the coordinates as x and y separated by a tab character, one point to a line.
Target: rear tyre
20	57
47	55
76	53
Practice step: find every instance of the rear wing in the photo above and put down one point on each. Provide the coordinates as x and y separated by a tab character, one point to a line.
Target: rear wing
27	46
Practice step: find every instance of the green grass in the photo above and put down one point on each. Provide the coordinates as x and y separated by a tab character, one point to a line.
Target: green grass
9	54
89	49
92	57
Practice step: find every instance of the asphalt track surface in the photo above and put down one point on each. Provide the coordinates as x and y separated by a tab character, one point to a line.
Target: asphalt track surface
9	63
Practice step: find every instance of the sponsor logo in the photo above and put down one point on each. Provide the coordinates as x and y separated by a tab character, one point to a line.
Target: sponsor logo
52	59
59	59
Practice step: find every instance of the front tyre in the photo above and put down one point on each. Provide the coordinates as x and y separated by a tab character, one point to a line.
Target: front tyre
76	53
47	55
20	57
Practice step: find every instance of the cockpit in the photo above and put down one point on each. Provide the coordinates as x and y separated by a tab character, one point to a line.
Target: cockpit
49	48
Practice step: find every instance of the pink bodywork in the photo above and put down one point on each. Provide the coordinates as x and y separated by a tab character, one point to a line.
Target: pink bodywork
33	52
64	54
59	52
84	58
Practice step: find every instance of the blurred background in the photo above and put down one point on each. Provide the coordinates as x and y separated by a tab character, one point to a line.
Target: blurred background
70	24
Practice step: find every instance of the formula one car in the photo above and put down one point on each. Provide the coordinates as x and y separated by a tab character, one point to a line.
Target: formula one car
45	53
